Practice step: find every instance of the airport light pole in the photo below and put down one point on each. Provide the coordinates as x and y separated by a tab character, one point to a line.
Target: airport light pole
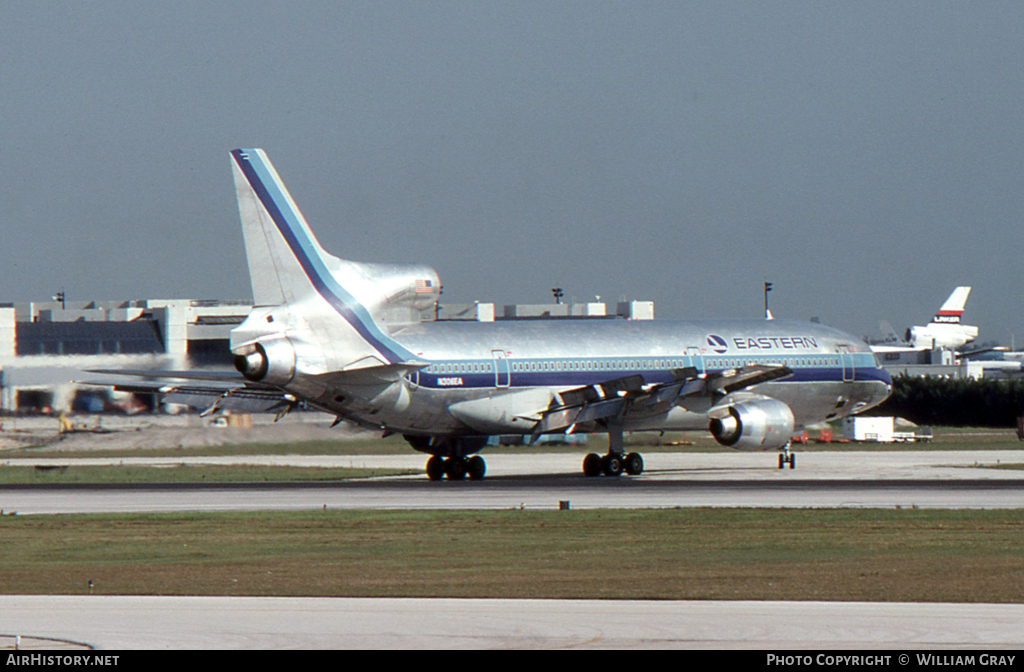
767	288
557	291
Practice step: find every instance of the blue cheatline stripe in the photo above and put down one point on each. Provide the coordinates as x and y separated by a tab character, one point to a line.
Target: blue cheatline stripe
270	193
484	376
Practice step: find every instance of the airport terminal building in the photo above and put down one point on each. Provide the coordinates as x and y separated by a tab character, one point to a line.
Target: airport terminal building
45	346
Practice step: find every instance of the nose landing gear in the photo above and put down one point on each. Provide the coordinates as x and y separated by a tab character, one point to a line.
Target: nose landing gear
787	457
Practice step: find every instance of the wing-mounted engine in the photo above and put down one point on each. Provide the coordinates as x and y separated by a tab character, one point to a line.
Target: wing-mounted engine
759	423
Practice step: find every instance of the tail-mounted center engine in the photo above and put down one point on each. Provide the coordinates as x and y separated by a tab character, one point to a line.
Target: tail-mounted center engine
760	424
270	361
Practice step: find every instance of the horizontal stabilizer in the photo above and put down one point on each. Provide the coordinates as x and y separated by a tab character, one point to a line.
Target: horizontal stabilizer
240	396
180	374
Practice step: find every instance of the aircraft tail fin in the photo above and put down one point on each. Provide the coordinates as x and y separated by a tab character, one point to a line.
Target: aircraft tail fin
953	308
281	249
287	265
888	333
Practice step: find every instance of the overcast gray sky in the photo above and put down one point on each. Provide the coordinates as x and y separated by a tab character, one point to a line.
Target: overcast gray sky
865	157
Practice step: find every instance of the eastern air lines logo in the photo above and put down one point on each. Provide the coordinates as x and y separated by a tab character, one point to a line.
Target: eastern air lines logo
717	343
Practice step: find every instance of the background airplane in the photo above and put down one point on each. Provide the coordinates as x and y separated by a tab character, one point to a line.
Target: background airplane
999	359
943	332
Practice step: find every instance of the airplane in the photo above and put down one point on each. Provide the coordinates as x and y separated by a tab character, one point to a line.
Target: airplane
999	358
944	331
345	337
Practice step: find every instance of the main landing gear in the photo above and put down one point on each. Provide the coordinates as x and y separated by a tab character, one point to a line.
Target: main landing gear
616	461
613	464
456	468
451	456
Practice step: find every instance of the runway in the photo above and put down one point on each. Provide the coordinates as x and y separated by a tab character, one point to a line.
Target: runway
869	479
322	623
926	479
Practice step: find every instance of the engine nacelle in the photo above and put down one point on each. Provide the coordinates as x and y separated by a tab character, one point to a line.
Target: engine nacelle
759	424
271	361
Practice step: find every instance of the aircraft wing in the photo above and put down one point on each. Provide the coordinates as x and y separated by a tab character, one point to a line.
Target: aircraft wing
732	380
626	396
982	351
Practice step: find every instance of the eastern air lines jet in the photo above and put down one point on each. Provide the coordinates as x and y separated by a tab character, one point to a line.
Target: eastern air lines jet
346	338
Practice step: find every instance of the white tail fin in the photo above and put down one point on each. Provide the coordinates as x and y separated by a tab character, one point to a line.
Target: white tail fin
274	231
287	265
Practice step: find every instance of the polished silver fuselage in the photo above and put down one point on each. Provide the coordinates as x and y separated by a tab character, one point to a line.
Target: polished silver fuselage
522	364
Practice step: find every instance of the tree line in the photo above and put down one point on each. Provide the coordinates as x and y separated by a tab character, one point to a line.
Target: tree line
955	401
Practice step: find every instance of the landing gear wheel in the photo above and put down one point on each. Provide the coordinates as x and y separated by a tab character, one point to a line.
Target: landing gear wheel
592	465
611	465
787	458
476	467
634	464
455	468
435	468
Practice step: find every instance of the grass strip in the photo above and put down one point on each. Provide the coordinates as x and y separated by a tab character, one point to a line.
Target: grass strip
894	555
